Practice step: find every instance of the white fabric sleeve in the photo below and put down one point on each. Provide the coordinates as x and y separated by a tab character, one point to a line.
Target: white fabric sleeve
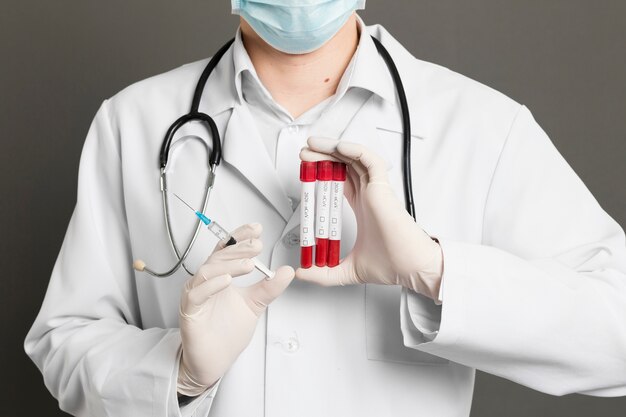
542	300
88	340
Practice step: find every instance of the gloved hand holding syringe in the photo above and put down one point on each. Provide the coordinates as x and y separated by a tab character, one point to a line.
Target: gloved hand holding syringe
224	236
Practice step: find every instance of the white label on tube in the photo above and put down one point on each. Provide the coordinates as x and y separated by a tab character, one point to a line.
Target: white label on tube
322	209
336	201
307	214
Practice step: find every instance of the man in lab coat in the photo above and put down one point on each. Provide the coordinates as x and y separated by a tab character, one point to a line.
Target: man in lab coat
526	278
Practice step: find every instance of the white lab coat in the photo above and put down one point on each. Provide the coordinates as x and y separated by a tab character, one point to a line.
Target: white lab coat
534	280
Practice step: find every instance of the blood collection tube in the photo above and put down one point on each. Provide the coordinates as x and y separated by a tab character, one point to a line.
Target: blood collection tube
336	202
322	211
307	212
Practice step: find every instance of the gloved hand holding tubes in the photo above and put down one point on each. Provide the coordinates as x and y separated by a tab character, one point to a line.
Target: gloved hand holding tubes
217	319
391	248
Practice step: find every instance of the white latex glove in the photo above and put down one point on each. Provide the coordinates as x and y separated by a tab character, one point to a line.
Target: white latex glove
217	319
391	248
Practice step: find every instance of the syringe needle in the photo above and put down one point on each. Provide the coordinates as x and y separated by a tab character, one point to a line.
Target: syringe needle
221	233
184	202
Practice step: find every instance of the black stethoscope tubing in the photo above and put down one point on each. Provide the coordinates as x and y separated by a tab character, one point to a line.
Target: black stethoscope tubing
216	152
407	176
194	114
215	155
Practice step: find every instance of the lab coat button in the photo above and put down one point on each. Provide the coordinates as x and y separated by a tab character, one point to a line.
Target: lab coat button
291	345
291	240
293	129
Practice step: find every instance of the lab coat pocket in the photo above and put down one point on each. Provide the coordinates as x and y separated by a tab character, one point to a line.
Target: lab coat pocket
384	341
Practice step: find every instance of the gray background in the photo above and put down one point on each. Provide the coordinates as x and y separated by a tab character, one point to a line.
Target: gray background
564	59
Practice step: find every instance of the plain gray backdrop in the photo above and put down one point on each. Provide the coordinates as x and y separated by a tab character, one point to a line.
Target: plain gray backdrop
564	59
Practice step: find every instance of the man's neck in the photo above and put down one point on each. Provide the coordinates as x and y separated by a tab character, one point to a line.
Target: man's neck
299	82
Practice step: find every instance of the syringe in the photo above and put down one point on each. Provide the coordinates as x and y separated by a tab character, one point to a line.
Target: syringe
222	234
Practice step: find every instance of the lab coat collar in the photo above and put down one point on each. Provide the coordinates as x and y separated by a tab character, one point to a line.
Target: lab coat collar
243	149
223	88
242	63
368	70
371	73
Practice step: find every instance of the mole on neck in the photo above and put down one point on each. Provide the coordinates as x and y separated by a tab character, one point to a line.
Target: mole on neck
299	82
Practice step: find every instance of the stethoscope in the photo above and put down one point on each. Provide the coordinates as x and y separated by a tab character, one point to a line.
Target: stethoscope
215	155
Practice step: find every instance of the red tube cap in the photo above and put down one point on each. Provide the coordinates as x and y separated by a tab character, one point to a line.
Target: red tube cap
324	170
308	171
339	171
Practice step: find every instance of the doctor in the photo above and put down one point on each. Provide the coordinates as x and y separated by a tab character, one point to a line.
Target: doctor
526	278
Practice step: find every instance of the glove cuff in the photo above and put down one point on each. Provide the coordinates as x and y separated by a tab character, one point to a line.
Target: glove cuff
427	281
187	385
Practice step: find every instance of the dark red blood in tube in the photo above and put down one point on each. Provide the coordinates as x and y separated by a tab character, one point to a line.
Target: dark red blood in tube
321	251
306	256
334	249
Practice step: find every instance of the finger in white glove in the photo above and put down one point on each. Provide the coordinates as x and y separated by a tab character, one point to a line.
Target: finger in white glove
217	319
391	248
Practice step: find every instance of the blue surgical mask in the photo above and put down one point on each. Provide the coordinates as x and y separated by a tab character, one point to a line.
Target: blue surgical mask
296	26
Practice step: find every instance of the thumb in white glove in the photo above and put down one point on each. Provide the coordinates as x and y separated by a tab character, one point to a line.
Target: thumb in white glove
217	320
391	248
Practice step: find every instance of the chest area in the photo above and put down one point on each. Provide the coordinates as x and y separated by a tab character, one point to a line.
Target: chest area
450	174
